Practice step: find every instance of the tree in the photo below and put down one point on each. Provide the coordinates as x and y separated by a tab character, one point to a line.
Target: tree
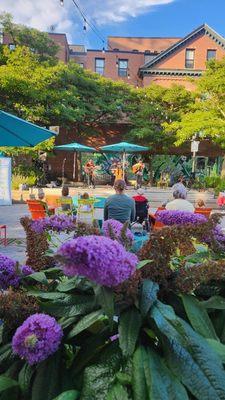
38	42
206	117
157	105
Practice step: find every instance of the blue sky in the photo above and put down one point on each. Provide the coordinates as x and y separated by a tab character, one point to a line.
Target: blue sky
175	19
118	17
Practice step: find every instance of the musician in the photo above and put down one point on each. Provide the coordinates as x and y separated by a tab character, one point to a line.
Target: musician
89	170
117	172
138	169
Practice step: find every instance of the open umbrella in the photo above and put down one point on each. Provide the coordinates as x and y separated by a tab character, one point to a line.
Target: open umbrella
16	132
76	148
124	147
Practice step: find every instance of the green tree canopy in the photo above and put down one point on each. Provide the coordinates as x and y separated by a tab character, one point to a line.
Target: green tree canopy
155	106
206	117
38	42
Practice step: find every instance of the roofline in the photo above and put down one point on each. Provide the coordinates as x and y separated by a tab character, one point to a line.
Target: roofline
119	51
195	32
56	33
146	37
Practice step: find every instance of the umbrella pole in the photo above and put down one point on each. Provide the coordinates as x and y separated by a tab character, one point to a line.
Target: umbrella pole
74	164
124	161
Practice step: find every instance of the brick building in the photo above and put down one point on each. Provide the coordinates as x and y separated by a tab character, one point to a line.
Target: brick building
142	60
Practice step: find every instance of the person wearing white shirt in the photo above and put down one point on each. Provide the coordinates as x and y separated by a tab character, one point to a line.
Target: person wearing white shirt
180	201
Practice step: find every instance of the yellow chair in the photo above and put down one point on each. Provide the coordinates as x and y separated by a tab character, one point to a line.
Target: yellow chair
63	201
86	209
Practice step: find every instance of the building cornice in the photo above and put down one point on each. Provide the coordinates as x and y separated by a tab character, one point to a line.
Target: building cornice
171	72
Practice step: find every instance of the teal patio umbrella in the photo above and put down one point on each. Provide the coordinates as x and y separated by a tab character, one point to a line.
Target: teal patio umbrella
75	148
16	132
124	148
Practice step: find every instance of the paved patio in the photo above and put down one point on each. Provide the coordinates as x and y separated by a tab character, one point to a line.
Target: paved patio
10	215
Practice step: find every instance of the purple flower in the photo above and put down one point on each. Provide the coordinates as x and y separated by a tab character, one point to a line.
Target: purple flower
175	217
11	273
37	338
99	258
26	270
57	223
116	228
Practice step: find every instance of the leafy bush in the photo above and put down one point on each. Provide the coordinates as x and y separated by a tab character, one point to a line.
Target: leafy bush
143	339
18	180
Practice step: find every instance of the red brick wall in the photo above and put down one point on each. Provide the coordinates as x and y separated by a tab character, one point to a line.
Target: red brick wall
200	44
135	60
141	43
168	81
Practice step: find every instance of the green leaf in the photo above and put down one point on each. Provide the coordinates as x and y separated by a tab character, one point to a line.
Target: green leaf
105	298
129	327
70	306
189	356
46	295
149	292
142	263
98	378
123	378
85	323
216	302
198	317
68	285
118	392
47	381
38	276
68	395
24	378
7	383
161	384
219	348
138	375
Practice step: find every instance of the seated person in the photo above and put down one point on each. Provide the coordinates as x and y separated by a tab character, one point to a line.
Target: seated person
180	201
66	200
85	207
141	205
200	204
119	206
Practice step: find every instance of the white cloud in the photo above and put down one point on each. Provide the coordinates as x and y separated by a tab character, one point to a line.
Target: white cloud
42	14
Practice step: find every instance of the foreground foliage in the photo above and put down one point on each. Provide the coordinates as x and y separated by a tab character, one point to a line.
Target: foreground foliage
147	338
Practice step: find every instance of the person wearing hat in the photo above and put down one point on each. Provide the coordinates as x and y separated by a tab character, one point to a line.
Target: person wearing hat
141	205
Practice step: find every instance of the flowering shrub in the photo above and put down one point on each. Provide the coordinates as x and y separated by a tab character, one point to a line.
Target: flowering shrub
100	259
10	273
56	223
175	217
37	338
15	307
118	231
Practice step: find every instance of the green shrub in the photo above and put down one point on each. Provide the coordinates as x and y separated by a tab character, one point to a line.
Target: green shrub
18	180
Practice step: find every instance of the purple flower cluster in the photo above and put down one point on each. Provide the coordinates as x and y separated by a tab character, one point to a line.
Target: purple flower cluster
218	236
175	217
10	273
37	338
99	258
57	223
116	228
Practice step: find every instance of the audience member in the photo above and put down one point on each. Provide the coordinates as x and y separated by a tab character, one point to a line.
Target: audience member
200	203
141	205
119	206
180	201
66	200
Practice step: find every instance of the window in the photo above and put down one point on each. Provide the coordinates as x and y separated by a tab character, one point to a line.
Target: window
211	54
100	66
123	67
189	58
12	46
81	65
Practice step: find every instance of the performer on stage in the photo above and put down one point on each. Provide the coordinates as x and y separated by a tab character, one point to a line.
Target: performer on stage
117	171
138	169
89	170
